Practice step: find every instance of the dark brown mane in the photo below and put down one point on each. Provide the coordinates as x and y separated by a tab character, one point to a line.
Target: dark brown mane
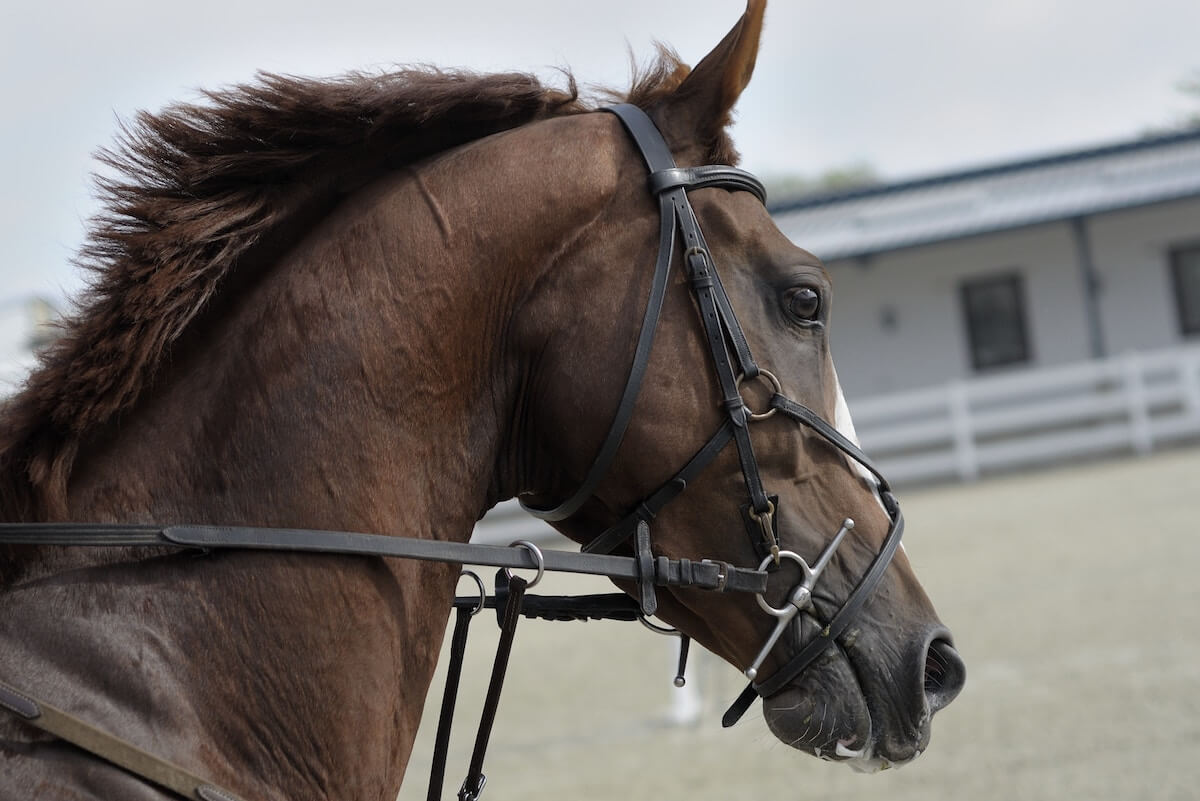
196	188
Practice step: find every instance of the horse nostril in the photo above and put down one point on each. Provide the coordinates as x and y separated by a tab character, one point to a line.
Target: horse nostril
945	674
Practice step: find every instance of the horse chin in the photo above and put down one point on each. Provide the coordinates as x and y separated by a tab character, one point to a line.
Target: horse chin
826	714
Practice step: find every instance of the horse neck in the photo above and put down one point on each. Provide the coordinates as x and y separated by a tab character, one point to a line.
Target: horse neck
333	391
367	380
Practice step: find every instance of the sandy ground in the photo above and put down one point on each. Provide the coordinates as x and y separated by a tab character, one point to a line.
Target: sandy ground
1074	598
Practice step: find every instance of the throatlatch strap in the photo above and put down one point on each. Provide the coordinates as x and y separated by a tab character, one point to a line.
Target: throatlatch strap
473	784
669	184
649	509
111	749
659	156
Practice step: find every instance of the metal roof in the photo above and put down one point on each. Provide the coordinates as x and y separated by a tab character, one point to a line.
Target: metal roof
955	205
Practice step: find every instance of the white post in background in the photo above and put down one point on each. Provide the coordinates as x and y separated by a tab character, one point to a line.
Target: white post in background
1189	382
685	701
964	437
1135	397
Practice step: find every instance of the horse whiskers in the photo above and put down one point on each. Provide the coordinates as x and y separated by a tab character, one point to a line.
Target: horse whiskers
802	739
808	737
791	708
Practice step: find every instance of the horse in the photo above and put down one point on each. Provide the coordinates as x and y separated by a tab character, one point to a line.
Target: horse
384	303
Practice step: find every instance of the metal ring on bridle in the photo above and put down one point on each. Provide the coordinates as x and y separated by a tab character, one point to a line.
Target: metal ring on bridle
776	388
482	592
657	629
787	609
536	553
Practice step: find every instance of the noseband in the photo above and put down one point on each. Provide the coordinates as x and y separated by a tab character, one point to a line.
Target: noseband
734	365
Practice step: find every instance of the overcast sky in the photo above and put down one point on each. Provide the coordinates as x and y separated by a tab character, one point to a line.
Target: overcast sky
910	88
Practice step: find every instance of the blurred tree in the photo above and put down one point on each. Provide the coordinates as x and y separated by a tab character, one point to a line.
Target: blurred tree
1191	88
836	179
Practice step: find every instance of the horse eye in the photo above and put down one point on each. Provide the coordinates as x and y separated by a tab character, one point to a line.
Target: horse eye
803	303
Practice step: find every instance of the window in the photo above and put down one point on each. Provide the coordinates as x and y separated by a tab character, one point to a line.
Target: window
1185	274
994	310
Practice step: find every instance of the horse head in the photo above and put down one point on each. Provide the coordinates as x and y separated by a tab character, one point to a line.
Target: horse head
384	303
741	347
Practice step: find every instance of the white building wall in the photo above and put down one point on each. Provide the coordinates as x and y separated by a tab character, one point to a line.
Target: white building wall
1132	254
918	288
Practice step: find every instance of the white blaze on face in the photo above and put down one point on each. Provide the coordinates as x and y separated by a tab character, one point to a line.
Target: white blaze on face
845	427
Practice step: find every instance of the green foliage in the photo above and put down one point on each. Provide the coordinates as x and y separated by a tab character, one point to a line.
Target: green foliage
1190	87
836	179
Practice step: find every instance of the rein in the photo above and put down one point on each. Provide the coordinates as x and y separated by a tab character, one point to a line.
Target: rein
663	572
509	597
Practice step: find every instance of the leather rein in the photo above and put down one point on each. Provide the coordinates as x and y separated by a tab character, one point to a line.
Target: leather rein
733	364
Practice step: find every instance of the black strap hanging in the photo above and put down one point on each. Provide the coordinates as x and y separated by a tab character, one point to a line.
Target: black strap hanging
473	785
441	747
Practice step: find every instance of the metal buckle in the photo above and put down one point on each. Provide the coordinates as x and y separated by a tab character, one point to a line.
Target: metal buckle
472	793
766	522
722	573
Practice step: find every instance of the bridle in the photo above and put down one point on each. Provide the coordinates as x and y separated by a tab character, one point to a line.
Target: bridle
733	364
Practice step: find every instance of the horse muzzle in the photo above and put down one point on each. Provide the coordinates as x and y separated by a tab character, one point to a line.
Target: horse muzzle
867	702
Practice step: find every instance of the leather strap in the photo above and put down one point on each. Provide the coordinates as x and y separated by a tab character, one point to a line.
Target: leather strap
633	384
441	742
473	785
113	750
802	414
709	175
645	559
669	184
603	606
706	575
648	509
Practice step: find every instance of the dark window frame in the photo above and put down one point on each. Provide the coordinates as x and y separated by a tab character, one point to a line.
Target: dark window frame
1187	309
1020	345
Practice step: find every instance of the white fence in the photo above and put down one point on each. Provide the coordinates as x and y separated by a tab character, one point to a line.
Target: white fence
1129	403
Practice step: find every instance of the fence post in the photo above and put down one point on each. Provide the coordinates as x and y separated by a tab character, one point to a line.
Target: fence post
964	437
686	703
1135	397
1189	382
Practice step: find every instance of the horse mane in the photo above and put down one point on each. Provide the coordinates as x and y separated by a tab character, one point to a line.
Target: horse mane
198	189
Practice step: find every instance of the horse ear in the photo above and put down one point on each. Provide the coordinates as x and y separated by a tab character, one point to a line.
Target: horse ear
701	104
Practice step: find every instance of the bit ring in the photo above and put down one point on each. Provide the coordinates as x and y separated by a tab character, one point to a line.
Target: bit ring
788	609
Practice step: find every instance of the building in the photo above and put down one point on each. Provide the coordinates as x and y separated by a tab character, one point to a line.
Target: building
1038	311
1034	263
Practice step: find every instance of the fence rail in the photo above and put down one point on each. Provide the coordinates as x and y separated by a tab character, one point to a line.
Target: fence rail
1134	402
1130	403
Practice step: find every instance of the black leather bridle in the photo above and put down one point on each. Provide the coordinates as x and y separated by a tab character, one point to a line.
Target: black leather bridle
733	364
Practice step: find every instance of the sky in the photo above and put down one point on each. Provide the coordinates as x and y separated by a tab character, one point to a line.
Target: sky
910	88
